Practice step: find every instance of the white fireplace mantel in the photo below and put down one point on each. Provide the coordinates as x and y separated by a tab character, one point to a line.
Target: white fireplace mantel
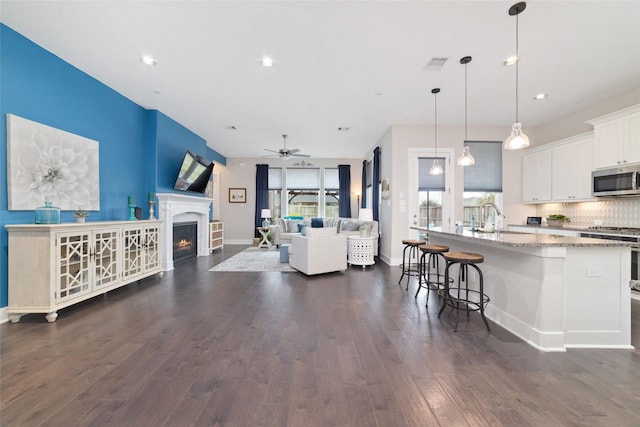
181	208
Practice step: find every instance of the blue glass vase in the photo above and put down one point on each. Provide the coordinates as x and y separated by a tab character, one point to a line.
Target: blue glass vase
47	214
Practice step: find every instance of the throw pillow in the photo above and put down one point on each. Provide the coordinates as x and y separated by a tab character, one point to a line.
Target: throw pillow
292	226
316	223
303	229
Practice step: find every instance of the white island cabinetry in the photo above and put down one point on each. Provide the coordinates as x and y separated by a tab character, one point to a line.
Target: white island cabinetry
58	265
554	292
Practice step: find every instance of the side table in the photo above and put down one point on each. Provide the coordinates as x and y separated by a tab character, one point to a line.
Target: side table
264	232
360	250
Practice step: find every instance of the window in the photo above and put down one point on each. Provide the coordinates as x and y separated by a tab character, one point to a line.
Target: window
331	193
430	189
483	182
275	192
303	187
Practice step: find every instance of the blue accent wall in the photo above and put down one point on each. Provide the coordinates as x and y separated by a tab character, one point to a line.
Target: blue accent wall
139	149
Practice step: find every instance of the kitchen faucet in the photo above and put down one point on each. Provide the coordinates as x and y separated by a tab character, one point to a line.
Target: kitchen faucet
498	213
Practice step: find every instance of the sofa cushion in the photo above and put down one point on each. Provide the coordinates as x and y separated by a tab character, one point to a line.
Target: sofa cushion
317	223
349	225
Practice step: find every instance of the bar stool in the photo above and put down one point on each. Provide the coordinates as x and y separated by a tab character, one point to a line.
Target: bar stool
412	246
430	260
460	297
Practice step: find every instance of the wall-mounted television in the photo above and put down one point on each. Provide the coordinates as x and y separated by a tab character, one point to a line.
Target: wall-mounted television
194	173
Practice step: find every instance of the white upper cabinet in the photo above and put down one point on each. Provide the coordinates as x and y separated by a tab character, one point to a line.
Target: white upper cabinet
617	138
571	166
536	177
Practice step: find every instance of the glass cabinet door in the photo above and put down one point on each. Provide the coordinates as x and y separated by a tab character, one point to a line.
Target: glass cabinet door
133	260
73	269
151	247
105	257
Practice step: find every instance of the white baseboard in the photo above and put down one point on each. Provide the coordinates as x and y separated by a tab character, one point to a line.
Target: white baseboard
4	316
238	242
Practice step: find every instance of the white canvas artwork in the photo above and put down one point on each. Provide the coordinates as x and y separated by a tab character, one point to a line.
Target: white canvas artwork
49	164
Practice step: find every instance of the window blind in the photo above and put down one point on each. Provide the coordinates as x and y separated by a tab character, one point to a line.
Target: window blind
486	174
275	178
427	182
303	179
331	181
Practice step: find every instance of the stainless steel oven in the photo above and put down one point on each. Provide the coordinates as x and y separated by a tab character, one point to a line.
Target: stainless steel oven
622	234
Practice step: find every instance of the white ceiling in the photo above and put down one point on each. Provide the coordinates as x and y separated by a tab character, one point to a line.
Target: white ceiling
355	64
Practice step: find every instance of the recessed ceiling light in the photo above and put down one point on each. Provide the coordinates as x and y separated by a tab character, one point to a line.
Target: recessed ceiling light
148	60
267	62
511	60
540	96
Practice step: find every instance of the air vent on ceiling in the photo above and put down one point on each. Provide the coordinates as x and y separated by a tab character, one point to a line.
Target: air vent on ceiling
435	63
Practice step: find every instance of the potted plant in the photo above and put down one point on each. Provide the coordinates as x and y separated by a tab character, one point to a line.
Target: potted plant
80	214
557	220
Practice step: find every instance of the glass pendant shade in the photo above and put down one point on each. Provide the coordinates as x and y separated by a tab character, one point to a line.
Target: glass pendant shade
517	139
466	159
436	169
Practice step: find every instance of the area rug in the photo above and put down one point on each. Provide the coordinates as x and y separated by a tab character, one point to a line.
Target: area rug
254	259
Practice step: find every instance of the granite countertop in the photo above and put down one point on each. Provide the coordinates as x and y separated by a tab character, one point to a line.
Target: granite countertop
583	229
515	239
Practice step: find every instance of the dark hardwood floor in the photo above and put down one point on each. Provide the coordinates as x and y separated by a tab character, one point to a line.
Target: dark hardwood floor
200	348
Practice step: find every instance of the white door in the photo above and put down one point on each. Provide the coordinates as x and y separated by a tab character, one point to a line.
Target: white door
430	207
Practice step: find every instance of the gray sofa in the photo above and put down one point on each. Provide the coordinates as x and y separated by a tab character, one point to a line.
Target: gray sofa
286	228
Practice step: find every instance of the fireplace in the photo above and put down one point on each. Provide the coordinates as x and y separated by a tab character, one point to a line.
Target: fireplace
185	241
176	209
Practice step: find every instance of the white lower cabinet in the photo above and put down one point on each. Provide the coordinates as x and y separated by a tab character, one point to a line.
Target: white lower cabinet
55	266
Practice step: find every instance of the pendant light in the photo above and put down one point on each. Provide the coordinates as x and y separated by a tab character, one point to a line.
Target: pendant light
466	159
436	169
517	139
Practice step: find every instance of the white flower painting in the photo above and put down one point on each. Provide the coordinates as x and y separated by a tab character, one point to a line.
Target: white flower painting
49	164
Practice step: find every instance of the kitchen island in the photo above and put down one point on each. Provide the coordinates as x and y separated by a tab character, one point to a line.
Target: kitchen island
554	292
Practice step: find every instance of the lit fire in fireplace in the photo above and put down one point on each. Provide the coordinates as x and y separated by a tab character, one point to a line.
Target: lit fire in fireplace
184	244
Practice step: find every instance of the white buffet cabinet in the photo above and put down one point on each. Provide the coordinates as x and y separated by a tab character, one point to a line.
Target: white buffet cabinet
58	265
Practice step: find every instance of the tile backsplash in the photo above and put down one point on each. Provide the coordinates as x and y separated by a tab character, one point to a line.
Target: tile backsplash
622	212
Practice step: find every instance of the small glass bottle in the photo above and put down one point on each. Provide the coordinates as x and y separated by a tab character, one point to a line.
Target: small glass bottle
473	223
47	214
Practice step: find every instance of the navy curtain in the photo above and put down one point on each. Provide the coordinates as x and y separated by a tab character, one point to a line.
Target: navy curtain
363	201
344	191
375	182
262	194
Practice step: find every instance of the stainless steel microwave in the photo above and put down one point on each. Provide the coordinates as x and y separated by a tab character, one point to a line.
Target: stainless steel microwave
621	181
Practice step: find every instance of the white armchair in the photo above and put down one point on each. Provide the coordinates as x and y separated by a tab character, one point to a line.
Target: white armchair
322	250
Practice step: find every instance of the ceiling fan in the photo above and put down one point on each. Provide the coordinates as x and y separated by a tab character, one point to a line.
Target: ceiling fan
285	152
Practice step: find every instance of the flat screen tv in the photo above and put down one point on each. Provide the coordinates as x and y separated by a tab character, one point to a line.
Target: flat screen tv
194	173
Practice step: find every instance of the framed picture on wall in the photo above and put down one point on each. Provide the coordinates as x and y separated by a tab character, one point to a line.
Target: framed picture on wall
237	195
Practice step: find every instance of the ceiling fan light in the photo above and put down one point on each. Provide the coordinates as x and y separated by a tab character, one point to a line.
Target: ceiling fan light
517	139
466	159
436	169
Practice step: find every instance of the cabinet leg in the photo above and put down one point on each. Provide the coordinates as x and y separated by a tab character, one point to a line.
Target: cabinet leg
161	274
15	318
51	317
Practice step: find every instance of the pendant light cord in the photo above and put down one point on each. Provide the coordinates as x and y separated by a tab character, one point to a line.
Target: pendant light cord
465	101
517	63
435	127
